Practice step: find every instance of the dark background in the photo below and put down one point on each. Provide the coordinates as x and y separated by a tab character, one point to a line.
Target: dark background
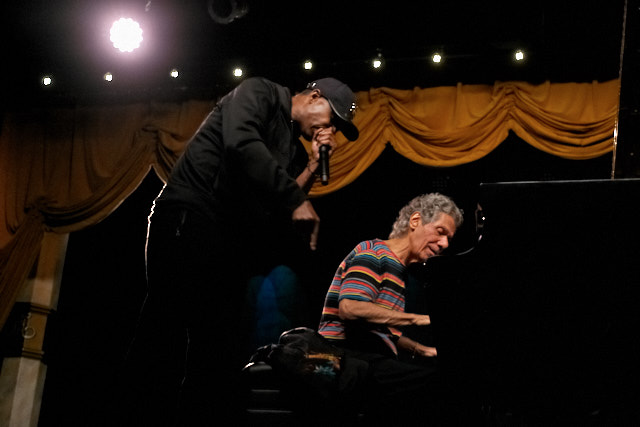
565	41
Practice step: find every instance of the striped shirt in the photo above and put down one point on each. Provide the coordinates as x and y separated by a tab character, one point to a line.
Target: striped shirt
371	273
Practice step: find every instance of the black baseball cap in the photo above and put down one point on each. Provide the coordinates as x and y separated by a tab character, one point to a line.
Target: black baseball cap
343	104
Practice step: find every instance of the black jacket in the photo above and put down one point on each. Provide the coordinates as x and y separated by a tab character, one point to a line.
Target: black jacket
242	162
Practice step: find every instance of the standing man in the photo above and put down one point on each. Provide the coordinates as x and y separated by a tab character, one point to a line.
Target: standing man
243	174
364	311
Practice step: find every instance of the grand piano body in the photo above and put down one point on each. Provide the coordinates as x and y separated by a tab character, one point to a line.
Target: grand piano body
540	315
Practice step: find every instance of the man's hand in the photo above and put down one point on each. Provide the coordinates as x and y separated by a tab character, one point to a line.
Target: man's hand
323	136
415	349
306	218
425	351
421	320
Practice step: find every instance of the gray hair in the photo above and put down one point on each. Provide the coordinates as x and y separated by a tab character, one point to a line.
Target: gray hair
430	207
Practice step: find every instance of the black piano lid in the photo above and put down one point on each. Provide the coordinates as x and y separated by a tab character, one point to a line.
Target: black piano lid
542	310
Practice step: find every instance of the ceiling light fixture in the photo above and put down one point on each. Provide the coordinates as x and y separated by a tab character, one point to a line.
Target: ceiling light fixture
126	34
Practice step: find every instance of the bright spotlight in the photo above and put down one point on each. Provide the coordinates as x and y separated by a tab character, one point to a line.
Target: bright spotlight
237	72
174	73
308	65
377	62
436	58
46	80
126	34
108	77
519	55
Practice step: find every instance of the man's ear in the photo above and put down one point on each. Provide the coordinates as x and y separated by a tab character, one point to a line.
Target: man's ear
415	220
315	94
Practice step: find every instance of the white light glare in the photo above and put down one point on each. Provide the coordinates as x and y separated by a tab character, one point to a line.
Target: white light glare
308	65
46	80
519	55
436	58
378	61
237	72
174	73
126	34
108	77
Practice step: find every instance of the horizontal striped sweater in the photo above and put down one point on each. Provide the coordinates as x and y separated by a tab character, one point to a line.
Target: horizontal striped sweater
373	273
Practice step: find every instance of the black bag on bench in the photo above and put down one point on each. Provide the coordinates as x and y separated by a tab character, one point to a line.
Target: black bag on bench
310	371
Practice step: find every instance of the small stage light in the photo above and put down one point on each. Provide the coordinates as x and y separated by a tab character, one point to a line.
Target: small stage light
46	80
237	72
108	77
519	55
436	58
174	73
377	62
126	34
308	65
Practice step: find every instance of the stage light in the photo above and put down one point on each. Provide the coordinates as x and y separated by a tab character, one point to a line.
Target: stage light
308	65
174	73
518	55
47	80
108	77
377	62
237	72
436	58
126	35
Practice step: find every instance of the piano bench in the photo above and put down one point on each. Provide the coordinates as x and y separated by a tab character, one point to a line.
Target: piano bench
267	403
270	403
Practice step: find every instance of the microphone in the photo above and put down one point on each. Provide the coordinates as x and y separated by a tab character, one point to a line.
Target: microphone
324	164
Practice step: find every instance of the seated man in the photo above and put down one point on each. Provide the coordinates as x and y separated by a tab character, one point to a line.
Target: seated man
364	310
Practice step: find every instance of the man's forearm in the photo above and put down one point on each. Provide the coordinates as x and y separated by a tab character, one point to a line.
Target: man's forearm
363	310
308	176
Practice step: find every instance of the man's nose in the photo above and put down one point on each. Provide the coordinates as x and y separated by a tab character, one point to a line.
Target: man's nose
444	242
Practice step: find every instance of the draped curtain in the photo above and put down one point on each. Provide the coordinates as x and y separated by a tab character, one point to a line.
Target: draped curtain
64	169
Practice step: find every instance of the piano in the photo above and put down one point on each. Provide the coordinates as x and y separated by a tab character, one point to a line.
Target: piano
539	315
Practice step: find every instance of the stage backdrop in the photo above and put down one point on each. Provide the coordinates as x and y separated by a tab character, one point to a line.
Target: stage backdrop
66	168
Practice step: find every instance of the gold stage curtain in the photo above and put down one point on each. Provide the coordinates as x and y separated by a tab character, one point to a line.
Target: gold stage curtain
64	169
453	125
67	168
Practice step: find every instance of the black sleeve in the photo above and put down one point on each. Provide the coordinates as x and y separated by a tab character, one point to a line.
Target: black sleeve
245	117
